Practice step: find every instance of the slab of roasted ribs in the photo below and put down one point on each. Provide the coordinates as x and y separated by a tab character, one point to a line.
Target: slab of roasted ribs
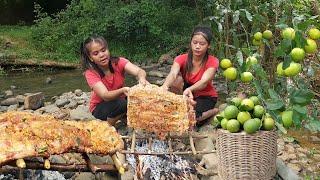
158	111
24	134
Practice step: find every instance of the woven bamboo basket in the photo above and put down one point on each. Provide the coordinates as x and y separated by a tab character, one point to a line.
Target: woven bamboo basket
246	156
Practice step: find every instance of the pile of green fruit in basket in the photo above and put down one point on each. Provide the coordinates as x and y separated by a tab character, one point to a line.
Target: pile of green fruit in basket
245	114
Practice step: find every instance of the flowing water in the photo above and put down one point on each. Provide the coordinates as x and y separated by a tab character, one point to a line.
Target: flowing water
61	81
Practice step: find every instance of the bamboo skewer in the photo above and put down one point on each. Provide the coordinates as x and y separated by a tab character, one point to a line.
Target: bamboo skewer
192	145
133	142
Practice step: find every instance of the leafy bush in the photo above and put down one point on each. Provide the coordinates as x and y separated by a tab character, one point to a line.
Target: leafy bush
135	29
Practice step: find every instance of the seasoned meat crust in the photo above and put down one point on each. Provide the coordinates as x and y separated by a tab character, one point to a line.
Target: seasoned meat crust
158	111
24	134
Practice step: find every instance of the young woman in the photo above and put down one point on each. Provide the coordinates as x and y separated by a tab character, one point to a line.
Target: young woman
105	76
196	69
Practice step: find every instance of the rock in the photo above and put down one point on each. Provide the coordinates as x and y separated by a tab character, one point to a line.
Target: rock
20	98
52	108
165	59
286	172
3	108
48	80
8	93
13	107
314	139
210	161
13	87
62	102
81	113
73	104
156	73
34	101
159	82
78	92
296	167
9	101
128	175
57	159
84	176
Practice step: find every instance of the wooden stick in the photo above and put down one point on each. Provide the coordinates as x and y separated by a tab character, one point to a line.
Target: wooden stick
167	153
91	166
192	145
118	164
172	137
133	142
58	167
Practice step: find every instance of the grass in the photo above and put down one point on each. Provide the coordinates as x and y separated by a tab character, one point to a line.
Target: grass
16	41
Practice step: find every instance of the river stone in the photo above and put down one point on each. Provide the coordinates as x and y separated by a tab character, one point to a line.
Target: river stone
20	98
34	101
78	92
3	108
62	102
52	108
286	172
156	73
81	113
9	101
8	93
84	176
48	80
13	107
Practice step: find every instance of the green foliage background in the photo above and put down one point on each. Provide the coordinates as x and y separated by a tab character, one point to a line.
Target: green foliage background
135	29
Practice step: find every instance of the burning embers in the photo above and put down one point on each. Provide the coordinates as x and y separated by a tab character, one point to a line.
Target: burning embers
160	166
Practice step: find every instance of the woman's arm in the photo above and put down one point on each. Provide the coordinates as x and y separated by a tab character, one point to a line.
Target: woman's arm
139	73
207	77
172	76
107	95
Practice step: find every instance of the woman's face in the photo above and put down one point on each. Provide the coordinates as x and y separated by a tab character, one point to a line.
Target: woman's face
99	53
199	45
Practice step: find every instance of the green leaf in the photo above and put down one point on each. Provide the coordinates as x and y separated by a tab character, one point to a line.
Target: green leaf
301	96
300	109
273	94
274	104
281	128
297	118
248	15
313	125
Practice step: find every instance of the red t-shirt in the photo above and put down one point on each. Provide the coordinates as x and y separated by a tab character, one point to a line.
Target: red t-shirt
112	82
192	78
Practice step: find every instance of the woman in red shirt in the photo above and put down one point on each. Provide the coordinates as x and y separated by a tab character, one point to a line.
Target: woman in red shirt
197	69
105	76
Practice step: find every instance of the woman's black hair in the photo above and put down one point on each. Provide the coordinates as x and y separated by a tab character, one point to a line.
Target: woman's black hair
85	56
206	32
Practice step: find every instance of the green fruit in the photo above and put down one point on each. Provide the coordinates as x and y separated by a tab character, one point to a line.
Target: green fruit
231	112
215	122
243	116
293	69
225	63
297	54
233	126
257	36
223	123
268	124
251	126
236	101
258	121
230	73
247	104
288	33
251	60
256	42
258	111
311	46
287	118
314	33
246	77
280	71
255	100
267	34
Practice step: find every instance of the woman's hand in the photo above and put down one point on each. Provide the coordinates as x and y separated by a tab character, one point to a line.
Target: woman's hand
188	93
143	81
125	90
